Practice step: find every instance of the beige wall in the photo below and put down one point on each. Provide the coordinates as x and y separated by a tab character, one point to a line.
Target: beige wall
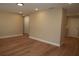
46	25
10	24
73	26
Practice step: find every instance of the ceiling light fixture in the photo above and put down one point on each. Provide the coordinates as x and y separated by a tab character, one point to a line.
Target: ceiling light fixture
36	9
20	4
69	3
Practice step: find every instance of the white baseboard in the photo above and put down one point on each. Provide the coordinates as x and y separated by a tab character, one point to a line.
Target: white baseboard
1	37
44	41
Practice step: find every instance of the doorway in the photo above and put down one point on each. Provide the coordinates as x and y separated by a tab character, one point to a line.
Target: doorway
26	25
73	26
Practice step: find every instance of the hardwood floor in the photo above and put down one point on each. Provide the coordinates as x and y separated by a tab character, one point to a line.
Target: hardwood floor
23	46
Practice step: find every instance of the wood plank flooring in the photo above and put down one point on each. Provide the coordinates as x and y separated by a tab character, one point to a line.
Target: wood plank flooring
24	46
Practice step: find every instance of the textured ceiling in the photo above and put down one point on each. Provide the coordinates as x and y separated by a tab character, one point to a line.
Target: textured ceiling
29	7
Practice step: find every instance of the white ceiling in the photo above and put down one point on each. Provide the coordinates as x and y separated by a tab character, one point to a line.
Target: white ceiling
29	7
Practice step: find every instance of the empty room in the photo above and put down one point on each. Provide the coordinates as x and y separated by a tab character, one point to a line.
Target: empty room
39	29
